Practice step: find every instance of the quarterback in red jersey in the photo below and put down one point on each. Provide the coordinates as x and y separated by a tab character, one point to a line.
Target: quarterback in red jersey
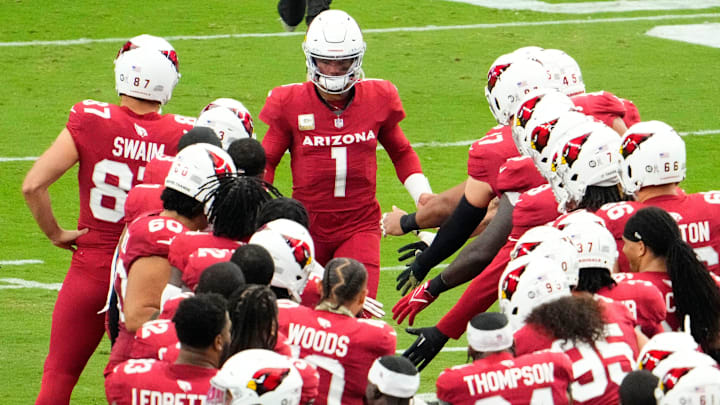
203	329
333	339
111	144
496	374
332	125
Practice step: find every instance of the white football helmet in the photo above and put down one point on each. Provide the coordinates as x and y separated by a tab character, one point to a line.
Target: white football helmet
256	376
682	359
146	74
564	252
662	345
577	217
293	252
334	35
229	119
546	104
532	238
564	71
653	154
519	79
152	42
595	245
195	168
527	282
590	156
695	386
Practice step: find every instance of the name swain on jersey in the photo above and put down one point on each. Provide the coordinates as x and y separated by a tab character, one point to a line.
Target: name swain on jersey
338	140
136	149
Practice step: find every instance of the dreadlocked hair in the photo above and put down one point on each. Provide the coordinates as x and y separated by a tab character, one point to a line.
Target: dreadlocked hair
253	312
184	205
596	196
592	279
235	202
695	291
343	280
572	318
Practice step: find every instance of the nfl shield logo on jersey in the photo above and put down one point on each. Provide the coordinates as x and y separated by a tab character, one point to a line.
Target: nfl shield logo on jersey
339	123
306	122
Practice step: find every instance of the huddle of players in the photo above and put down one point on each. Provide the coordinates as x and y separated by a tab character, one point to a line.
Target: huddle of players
573	176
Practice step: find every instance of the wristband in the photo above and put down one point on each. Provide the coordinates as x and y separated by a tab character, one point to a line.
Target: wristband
437	286
408	223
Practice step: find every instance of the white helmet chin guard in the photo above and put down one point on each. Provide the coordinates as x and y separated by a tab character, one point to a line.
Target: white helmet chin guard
653	154
229	119
334	35
527	282
293	252
256	376
145	73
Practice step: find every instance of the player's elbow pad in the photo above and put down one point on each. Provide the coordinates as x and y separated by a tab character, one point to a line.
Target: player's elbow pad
417	184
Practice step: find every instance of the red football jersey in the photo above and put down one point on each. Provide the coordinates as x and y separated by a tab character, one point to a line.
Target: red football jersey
662	282
536	378
341	347
632	115
535	207
201	259
153	338
170	306
616	216
599	368
157	169
114	145
333	154
189	242
518	175
148	381
643	300
601	105
141	199
488	153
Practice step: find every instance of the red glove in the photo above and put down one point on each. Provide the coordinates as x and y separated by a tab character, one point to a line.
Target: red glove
411	304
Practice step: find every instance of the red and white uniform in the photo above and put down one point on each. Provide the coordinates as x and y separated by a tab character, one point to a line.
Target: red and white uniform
153	339
518	175
189	242
643	300
606	107
157	169
662	282
148	381
141	199
147	236
334	163
598	368
534	207
114	145
488	153
201	259
536	378
616	216
341	347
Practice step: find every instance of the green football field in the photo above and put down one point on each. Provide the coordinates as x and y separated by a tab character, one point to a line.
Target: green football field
54	54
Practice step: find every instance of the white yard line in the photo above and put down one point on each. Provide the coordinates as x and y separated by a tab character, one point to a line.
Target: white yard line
19	262
414	145
84	41
15	283
590	7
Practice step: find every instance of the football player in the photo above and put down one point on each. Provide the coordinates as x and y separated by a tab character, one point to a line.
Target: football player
333	339
112	144
203	329
657	253
332	124
143	270
393	380
490	346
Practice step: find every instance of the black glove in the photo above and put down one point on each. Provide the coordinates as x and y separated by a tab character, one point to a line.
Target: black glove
428	344
411	277
411	250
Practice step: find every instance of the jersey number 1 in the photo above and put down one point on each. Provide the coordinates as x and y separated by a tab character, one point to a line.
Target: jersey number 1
339	154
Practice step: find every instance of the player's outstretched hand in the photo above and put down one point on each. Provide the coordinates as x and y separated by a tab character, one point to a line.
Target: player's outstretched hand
390	222
411	304
428	344
411	250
